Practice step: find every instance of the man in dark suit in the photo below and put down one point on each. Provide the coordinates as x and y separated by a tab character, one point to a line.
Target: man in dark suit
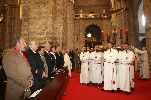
36	66
50	60
59	58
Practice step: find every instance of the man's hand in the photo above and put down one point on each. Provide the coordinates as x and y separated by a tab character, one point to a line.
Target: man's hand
132	47
30	83
44	74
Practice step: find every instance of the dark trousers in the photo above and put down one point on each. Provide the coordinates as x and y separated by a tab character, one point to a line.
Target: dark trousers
38	84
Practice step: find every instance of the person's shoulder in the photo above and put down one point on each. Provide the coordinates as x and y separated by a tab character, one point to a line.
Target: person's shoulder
45	53
29	52
131	52
9	54
7	51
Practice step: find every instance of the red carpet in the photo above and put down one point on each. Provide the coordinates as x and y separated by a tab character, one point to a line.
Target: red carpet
76	91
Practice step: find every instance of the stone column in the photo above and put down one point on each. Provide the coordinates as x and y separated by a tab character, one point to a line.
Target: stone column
133	39
82	34
59	23
70	23
147	13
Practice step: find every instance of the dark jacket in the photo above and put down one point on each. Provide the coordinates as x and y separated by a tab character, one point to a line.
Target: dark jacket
35	62
59	60
37	69
50	60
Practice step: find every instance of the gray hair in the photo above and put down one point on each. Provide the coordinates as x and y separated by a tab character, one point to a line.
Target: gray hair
15	40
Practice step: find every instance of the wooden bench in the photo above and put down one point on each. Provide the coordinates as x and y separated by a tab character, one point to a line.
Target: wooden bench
54	90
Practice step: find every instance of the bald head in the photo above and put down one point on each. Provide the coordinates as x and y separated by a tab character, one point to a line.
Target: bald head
33	45
47	46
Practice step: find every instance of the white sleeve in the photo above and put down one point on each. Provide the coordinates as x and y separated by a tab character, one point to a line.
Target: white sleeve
139	51
65	60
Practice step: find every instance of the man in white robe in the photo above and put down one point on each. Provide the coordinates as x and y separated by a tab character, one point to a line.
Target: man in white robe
101	51
144	68
110	56
126	59
95	76
84	75
118	65
131	58
90	66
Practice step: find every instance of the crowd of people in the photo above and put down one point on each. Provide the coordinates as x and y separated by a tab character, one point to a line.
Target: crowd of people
113	67
29	69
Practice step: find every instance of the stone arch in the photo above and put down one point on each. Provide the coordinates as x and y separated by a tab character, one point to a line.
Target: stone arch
95	30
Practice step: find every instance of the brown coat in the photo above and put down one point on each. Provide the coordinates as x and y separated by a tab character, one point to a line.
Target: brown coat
18	73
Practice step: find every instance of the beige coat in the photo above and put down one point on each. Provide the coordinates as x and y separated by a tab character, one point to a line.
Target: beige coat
18	73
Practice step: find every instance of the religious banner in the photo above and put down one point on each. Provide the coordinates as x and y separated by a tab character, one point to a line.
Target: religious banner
120	33
108	36
126	34
114	35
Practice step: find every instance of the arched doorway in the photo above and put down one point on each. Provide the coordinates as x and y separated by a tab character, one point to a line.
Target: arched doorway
93	36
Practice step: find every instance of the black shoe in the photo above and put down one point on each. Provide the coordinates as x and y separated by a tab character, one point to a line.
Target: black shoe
112	91
118	91
88	84
145	79
132	89
139	79
128	93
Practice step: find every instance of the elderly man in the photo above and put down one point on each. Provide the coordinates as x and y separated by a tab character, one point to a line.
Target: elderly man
17	69
37	69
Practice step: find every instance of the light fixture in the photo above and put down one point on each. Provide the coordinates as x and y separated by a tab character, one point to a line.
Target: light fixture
1	17
143	20
89	35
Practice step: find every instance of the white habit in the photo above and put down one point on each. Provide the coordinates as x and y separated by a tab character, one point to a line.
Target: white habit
110	56
68	63
95	76
144	68
84	75
125	62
